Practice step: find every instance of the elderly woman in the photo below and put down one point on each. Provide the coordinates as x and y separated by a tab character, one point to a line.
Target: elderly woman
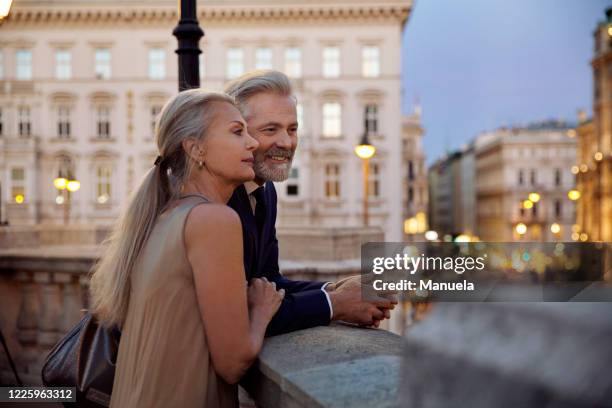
172	275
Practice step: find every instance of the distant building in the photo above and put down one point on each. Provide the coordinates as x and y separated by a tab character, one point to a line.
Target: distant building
451	190
511	163
414	174
82	82
593	167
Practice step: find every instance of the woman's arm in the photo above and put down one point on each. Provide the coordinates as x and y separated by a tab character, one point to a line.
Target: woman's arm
234	328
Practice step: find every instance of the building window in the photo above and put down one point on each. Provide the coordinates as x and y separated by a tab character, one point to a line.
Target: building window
532	177
23	59
1	64
103	63
534	210
370	61
558	177
293	62
521	177
370	117
331	62
410	170
202	65
65	167
103	122
332	119
558	208
263	58
410	195
299	109
293	182
63	122
157	63
104	174
24	123
235	62
155	111
1	123
18	185
332	181
63	64
374	181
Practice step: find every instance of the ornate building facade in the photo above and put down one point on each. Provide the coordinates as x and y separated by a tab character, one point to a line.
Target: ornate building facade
82	82
510	165
593	168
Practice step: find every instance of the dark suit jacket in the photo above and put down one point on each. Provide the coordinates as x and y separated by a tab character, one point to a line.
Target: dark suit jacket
305	304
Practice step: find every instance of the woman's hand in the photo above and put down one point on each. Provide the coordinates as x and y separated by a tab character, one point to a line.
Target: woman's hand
263	298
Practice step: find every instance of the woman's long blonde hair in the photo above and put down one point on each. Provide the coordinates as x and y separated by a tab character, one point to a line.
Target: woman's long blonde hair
187	115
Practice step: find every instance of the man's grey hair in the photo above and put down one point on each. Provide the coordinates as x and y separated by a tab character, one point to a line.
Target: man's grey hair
255	82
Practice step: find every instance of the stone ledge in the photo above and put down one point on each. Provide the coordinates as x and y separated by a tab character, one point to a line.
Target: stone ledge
334	366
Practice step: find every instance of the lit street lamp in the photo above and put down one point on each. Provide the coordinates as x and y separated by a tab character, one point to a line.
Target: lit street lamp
5	7
65	186
365	151
573	195
534	197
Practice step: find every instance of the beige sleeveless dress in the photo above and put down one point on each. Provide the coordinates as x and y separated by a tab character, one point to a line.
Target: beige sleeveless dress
163	358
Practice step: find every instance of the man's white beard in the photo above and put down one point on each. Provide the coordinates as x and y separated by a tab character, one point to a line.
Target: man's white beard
274	172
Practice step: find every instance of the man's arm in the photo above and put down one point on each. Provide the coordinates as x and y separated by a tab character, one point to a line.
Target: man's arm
305	304
300	310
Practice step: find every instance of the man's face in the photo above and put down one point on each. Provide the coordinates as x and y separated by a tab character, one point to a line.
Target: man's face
272	121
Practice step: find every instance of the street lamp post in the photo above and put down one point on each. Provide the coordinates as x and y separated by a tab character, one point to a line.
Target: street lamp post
188	34
364	150
66	186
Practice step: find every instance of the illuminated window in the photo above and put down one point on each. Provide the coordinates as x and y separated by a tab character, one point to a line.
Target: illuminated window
332	181
235	62
332	119
157	63
263	58
104	174
370	61
103	63
293	62
331	62
63	64
23	59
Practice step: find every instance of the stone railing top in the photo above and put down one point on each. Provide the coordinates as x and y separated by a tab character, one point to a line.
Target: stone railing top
335	366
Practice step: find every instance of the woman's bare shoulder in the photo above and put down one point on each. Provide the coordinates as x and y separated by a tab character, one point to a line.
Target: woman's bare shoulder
208	218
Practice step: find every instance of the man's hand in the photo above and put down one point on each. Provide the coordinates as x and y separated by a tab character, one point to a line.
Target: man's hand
348	305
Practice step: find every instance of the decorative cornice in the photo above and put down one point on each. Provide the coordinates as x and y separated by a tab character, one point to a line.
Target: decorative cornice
209	15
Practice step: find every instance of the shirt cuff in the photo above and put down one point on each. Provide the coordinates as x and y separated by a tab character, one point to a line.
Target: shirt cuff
331	311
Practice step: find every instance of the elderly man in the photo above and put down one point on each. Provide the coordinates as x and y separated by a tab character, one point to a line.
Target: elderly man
268	105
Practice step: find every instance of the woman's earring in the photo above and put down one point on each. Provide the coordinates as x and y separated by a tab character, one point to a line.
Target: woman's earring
200	164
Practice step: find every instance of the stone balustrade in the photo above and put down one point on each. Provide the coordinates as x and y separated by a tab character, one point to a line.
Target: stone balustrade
43	290
461	354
